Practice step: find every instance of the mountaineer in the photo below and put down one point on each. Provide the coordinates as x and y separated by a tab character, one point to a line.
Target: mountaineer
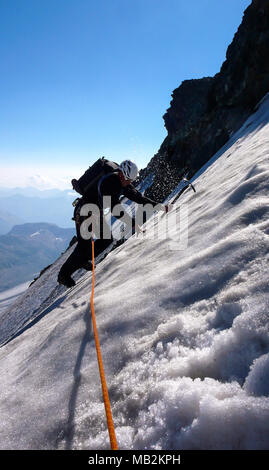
103	178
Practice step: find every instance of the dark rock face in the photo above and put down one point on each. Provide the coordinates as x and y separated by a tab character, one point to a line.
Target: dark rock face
244	76
204	113
189	104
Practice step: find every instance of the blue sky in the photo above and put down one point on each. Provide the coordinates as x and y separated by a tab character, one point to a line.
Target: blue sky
84	78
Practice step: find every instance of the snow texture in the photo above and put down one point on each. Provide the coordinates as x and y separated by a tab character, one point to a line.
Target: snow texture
184	333
8	296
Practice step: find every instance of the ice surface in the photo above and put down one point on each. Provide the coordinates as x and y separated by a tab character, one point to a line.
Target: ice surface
9	296
184	333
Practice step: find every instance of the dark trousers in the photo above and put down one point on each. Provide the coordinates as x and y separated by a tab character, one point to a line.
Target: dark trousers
83	250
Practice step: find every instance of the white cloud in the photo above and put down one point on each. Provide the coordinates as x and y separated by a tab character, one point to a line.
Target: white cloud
40	178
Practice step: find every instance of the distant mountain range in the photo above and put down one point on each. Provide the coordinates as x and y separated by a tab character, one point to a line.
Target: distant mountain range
7	221
29	248
30	205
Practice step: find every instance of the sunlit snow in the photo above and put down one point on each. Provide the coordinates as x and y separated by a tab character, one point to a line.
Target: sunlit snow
184	333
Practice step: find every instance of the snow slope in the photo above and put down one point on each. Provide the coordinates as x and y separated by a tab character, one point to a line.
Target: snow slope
8	296
184	333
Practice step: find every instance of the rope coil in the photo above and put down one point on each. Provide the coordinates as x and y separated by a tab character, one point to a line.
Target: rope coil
110	424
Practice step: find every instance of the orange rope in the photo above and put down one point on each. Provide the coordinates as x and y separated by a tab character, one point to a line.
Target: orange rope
110	424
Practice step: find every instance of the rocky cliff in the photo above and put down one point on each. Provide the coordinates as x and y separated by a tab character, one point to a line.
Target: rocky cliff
204	113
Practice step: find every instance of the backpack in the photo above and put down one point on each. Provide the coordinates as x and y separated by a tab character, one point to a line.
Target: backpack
91	177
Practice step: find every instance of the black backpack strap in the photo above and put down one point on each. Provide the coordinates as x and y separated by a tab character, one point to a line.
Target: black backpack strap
100	183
